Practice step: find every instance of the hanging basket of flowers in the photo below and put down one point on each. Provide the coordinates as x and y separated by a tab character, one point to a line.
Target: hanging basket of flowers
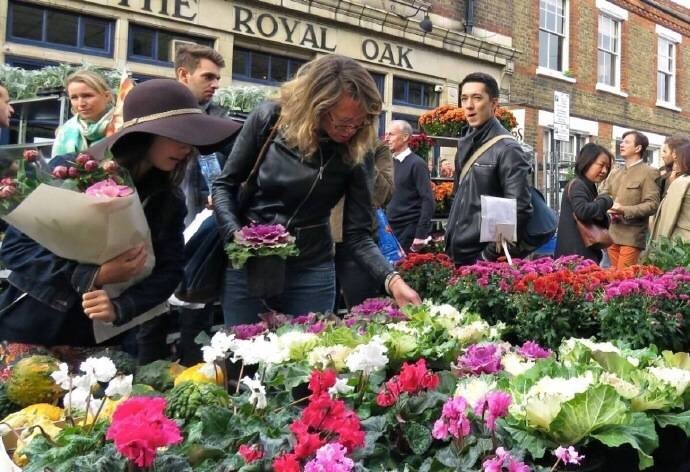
448	120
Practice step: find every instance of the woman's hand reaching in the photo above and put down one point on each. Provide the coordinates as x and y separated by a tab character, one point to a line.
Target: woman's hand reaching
403	293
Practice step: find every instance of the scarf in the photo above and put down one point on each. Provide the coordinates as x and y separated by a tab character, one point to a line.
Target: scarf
76	135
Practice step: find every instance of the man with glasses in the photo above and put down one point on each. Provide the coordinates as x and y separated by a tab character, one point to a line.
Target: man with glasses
409	211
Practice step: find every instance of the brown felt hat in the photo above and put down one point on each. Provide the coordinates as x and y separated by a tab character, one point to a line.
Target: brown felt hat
165	107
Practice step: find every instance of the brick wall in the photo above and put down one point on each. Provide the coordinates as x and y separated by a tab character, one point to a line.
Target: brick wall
638	69
490	15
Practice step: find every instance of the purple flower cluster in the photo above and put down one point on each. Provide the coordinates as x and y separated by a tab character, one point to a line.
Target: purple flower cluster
248	331
532	350
331	458
264	235
658	286
374	308
480	359
504	459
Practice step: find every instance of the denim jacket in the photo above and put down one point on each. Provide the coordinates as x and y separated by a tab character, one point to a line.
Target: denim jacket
59	283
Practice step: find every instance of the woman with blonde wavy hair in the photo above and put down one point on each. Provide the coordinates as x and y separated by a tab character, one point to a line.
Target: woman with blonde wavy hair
92	105
316	134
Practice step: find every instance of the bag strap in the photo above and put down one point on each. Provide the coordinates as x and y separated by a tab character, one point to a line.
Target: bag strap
262	155
479	152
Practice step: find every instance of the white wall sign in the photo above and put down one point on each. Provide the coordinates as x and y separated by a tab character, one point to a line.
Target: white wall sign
561	116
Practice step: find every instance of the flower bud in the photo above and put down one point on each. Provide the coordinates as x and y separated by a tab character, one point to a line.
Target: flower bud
73	172
30	155
90	166
111	167
82	158
60	172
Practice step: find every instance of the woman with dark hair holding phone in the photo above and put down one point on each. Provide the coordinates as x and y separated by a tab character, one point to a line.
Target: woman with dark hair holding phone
580	199
52	301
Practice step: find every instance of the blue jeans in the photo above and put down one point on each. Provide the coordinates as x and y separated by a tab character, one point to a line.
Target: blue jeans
310	289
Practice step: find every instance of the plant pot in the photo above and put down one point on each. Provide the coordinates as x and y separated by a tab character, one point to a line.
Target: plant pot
265	276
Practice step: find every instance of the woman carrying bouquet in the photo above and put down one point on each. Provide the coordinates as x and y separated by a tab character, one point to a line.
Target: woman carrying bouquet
317	132
51	300
580	200
92	105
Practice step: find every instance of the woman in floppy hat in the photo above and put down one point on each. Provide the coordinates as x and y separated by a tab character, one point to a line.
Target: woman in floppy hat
317	134
162	125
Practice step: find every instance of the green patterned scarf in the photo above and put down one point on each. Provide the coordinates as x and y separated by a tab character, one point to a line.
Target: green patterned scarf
76	135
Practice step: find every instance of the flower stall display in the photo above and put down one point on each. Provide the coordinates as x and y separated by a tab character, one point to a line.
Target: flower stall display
421	144
427	273
263	249
443	198
448	120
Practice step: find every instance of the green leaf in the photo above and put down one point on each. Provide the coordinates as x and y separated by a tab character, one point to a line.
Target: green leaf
471	455
586	412
613	362
678	359
447	456
680	420
528	439
418	437
639	433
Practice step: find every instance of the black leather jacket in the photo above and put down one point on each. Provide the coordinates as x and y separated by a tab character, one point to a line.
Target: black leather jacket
299	194
502	171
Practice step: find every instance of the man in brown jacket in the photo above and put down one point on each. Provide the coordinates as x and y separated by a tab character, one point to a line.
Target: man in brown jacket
636	197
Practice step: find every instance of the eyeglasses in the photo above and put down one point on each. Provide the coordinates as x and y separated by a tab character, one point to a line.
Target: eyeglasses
346	128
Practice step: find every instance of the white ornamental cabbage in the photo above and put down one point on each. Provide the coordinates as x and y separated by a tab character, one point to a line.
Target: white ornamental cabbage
471	333
474	389
677	378
624	388
325	357
515	364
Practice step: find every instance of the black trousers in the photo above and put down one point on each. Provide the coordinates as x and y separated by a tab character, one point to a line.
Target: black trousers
354	282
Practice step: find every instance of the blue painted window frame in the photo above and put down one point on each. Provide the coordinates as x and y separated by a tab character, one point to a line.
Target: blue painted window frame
108	23
133	27
427	92
293	64
32	62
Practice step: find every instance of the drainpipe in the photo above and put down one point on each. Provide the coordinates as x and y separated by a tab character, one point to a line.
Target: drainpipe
469	16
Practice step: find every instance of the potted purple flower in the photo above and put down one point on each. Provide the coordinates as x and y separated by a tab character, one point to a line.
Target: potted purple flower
263	249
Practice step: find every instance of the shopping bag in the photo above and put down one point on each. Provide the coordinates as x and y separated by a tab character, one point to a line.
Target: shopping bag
388	244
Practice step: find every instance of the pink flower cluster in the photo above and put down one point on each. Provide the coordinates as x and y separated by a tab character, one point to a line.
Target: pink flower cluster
412	379
330	458
139	427
453	421
250	453
492	407
532	350
568	456
108	188
381	309
658	286
264	236
480	359
504	459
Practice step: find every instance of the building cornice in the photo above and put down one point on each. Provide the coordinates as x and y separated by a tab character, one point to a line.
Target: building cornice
658	13
388	23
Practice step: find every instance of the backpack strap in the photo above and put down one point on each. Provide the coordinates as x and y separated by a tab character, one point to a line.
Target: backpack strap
479	152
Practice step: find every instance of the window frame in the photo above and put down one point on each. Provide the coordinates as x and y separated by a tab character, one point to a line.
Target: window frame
614	52
44	43
669	73
425	86
293	63
564	35
205	41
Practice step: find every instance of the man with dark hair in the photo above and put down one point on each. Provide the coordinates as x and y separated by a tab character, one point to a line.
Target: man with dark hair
636	197
488	162
198	67
412	206
6	110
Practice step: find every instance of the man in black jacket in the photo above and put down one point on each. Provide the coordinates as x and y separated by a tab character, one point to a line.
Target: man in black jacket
501	171
409	211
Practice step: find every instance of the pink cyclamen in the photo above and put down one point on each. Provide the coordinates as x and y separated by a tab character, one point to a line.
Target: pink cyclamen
492	407
453	421
569	455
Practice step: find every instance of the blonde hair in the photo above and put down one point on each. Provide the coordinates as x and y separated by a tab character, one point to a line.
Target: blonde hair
92	80
316	88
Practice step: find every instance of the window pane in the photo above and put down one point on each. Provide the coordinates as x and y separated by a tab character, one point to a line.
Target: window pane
279	69
164	44
95	32
543	49
380	80
142	42
240	63
259	68
399	90
62	28
294	66
27	22
662	87
415	93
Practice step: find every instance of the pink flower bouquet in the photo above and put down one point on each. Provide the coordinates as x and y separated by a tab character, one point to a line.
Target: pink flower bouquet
260	241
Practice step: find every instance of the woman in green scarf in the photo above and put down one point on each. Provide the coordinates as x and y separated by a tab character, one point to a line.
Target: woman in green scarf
91	101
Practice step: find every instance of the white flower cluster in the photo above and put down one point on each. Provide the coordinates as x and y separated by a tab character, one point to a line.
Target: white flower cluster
369	357
474	389
79	388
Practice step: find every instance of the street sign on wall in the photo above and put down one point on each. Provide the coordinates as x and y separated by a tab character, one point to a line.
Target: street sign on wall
561	116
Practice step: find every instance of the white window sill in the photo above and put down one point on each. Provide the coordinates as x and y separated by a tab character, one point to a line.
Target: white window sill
667	105
554	74
608	89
